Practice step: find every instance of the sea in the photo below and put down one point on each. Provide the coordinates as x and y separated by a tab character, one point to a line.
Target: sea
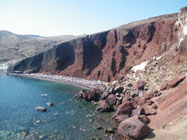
68	119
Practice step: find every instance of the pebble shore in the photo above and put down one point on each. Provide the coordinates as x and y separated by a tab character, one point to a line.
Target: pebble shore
80	82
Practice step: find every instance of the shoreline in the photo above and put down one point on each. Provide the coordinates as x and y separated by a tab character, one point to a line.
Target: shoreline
75	81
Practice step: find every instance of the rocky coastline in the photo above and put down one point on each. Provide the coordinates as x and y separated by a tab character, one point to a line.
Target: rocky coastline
144	62
132	105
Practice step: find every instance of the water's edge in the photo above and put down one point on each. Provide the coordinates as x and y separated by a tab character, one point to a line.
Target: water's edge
79	82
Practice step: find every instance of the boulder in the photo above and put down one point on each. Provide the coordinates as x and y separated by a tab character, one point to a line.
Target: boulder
147	96
163	87
149	110
121	118
103	106
41	109
50	104
141	101
111	99
133	128
144	119
90	95
125	108
175	82
140	85
138	101
137	112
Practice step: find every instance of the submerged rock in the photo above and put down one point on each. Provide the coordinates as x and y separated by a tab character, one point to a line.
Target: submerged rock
41	109
50	104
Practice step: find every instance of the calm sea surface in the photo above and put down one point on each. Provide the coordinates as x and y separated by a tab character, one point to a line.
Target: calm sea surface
68	119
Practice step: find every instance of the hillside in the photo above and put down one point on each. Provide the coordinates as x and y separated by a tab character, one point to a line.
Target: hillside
15	47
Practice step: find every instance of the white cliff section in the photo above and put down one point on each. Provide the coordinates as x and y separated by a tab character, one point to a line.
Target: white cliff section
185	29
182	23
140	66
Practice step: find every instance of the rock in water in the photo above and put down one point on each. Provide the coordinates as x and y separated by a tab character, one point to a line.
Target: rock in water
90	95
43	95
50	104
133	128
103	106
41	109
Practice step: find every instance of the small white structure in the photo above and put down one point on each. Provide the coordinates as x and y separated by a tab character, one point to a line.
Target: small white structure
4	66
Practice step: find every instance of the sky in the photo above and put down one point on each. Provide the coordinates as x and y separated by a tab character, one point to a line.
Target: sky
76	17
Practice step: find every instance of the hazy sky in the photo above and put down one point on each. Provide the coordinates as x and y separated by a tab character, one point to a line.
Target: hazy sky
60	17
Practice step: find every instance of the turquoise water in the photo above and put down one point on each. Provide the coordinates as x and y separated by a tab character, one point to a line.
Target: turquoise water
68	119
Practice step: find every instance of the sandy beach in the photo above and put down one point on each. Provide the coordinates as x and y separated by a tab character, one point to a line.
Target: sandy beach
80	82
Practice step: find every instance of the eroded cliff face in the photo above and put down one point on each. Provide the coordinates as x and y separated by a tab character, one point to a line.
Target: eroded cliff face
108	55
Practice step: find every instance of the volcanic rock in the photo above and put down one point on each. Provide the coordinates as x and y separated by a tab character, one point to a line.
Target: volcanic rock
148	96
90	95
137	112
111	99
121	118
125	108
163	87
140	85
149	110
50	104
103	106
175	82
41	109
144	119
133	128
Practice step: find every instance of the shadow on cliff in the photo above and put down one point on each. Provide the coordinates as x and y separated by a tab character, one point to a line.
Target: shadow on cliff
92	55
65	56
